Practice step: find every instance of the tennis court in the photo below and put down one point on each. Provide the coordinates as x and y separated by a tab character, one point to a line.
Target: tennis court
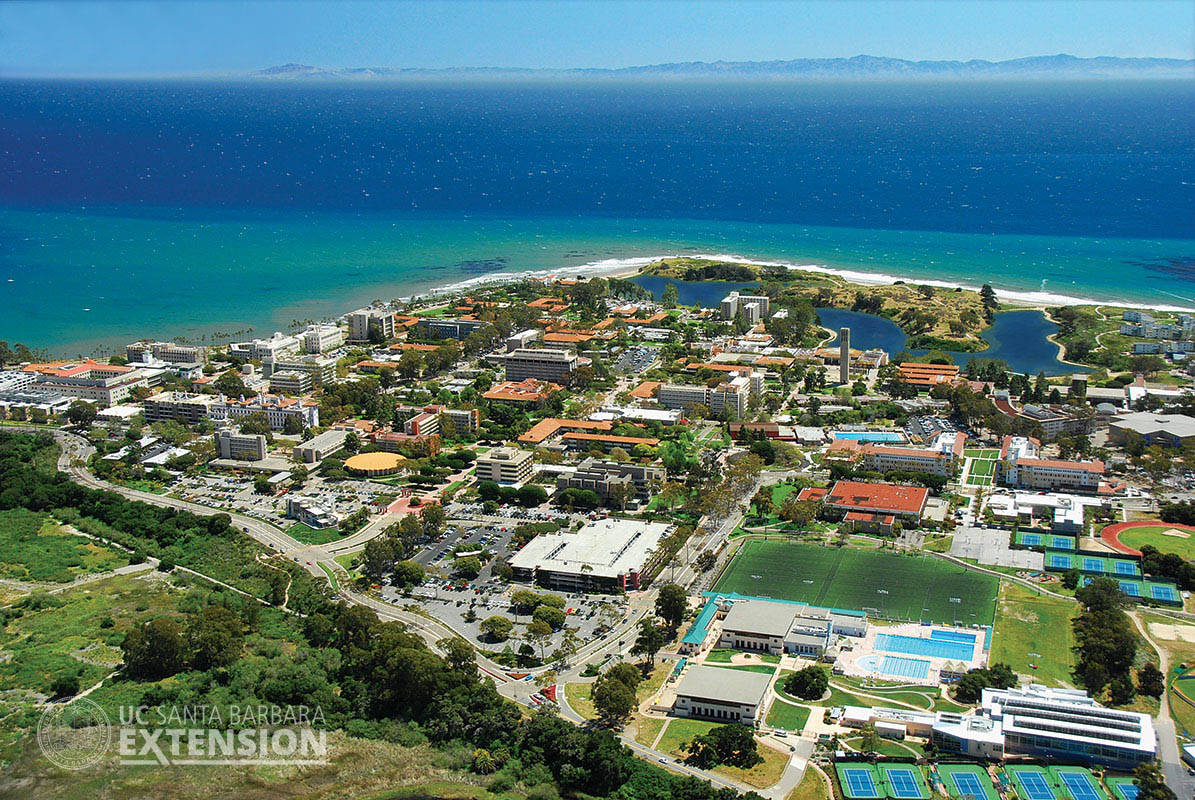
967	781
1062	542
903	783
1058	561
858	783
1032	783
1163	593
1122	787
1030	539
1130	588
887	585
1080	784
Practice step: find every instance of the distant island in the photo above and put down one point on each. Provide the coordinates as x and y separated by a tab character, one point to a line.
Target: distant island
857	67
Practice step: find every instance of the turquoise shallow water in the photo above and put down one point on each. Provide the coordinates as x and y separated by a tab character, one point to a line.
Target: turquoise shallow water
193	273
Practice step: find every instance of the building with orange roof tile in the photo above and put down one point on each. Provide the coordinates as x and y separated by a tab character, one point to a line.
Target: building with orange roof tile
103	384
546	429
905	502
528	390
604	441
926	376
645	390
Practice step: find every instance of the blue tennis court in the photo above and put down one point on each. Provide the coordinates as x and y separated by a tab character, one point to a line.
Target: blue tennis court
1124	567
898	667
1125	790
1129	588
903	783
933	648
1062	543
1031	539
1093	564
968	785
859	782
1035	786
1164	593
1059	561
952	636
1079	785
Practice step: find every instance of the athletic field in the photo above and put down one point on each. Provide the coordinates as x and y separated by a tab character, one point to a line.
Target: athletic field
883	584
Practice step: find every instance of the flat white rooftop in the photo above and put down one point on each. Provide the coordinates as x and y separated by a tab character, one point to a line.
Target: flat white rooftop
606	548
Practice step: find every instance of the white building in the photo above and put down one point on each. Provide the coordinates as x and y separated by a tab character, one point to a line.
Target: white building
609	555
543	365
1020	466
241	446
729	398
734	302
320	447
507	466
725	695
276	409
364	320
322	338
280	344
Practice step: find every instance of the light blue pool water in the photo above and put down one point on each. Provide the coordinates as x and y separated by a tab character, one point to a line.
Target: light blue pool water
952	636
869	436
933	648
895	666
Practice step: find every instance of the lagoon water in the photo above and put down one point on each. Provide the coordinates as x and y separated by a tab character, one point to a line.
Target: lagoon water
171	208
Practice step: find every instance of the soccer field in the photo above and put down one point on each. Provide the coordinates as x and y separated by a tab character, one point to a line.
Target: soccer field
883	584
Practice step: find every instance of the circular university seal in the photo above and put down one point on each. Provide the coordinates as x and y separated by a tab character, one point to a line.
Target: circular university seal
74	735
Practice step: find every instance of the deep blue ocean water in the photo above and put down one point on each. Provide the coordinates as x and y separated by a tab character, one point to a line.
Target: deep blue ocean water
250	204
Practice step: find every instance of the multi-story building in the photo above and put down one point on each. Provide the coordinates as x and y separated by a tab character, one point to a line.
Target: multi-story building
1168	430
522	339
465	419
721	694
180	406
601	475
320	447
320	368
102	384
734	302
365	320
424	424
276	409
290	382
1021	466
241	446
942	458
904	502
725	399
431	328
607	555
505	465
311	512
322	338
549	365
15	380
171	352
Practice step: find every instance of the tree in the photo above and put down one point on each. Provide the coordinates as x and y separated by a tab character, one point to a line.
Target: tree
378	558
671	604
538	634
432	518
292	425
352	442
408	573
65	686
670	296
531	495
1070	579
726	744
808	684
612	699
216	637
488	490
706	560
497	627
651	638
154	650
869	741
468	567
457	653
554	617
81	413
230	384
261	485
1151	783
1150	681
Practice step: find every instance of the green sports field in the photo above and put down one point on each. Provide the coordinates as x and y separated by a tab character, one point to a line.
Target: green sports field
883	584
1182	542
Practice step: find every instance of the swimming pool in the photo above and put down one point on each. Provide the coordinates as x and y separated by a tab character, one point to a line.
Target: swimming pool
869	436
952	636
895	666
933	648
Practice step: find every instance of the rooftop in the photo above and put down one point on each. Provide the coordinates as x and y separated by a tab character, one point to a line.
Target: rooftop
607	548
725	685
760	617
878	496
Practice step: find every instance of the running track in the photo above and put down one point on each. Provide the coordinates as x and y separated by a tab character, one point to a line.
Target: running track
1111	533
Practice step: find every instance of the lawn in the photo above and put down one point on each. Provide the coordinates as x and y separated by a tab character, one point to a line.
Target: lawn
886	747
34	548
347	560
331	576
647	729
1154	535
889	585
788	716
309	535
723	656
1027	622
763	669
982	467
578	696
681	731
812	787
982	452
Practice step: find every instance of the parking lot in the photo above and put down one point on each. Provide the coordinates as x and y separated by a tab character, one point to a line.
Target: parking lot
236	493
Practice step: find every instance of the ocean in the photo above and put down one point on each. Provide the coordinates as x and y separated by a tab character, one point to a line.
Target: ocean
205	210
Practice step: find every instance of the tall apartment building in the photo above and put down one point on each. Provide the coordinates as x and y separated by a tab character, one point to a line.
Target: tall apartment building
734	302
505	465
103	384
290	382
430	328
241	446
542	365
180	406
321	338
322	369
280	344
363	320
164	351
601	475
729	398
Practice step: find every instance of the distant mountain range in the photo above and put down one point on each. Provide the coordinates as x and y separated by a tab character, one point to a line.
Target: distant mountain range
1059	66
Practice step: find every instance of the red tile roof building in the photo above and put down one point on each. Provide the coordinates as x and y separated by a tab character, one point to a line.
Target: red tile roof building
907	502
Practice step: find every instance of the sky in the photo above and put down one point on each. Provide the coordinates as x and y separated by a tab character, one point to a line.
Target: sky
166	37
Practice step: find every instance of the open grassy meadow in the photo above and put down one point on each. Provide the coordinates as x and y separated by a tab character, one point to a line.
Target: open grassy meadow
34	548
1033	635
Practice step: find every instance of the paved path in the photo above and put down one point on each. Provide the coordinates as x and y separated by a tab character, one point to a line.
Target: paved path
1176	774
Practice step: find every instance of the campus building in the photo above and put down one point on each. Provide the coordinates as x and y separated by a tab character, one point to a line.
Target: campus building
725	695
1020	466
542	365
102	384
927	376
290	382
774	627
601	476
943	457
431	328
505	465
164	351
280	344
729	398
1043	722
366	320
322	338
183	407
320	368
754	307
277	410
241	446
1167	430
610	555
903	502
320	447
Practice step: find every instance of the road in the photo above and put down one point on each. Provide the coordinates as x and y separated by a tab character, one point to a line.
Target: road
1172	766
